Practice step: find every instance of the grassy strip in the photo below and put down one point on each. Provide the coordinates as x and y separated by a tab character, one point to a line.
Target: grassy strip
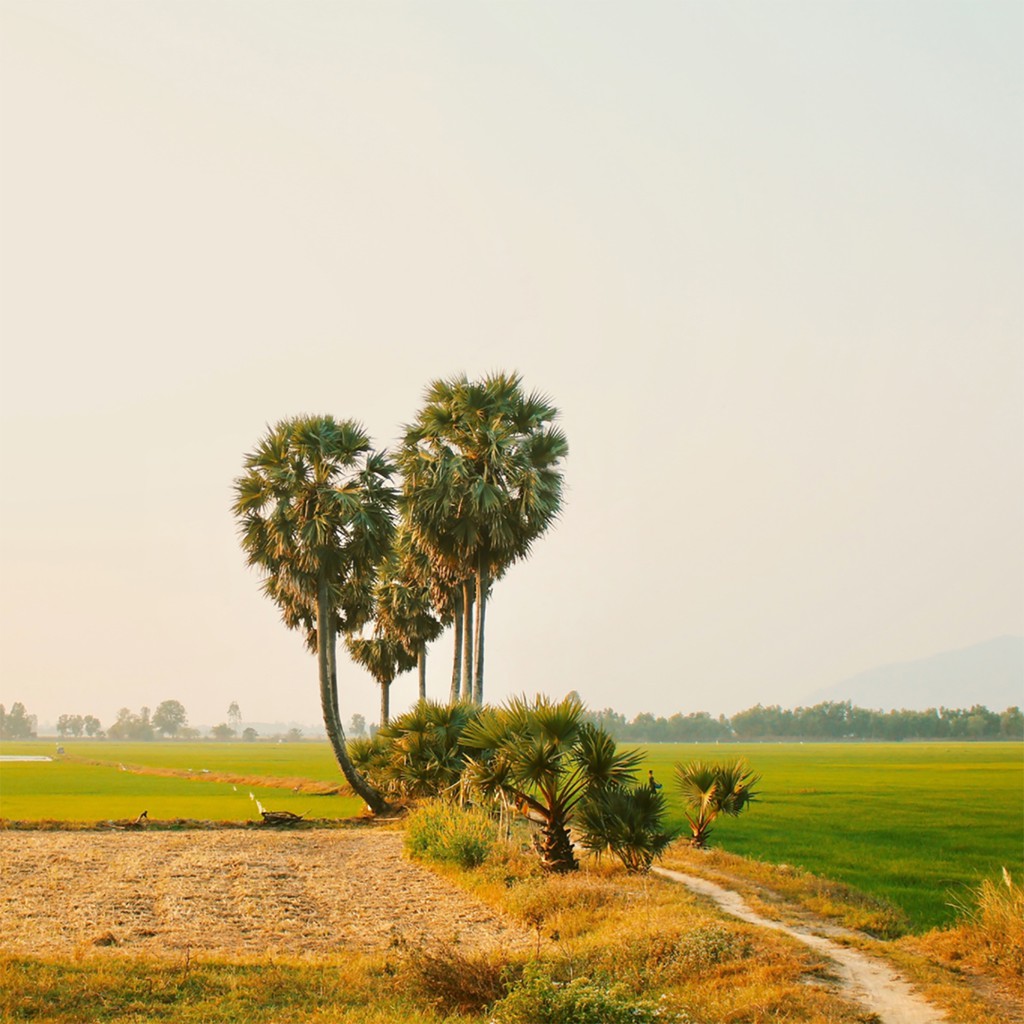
119	989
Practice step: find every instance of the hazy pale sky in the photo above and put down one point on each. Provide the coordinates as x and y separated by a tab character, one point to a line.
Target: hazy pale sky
765	257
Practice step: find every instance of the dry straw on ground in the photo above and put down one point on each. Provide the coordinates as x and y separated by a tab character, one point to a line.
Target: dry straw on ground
229	894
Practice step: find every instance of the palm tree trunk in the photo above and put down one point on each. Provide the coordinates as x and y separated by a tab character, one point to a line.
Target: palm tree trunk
325	645
421	664
481	611
556	853
457	658
467	640
385	703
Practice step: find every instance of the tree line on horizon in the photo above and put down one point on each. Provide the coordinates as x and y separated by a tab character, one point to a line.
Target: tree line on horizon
829	720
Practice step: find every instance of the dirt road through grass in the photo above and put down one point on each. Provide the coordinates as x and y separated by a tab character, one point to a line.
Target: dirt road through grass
866	979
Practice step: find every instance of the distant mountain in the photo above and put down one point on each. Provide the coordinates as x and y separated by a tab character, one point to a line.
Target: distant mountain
990	673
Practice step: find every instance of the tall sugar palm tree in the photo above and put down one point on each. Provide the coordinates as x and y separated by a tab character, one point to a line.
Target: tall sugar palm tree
482	483
315	508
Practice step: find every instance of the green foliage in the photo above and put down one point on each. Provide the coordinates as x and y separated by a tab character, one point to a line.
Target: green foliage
714	789
170	717
442	832
545	759
16	724
420	753
630	822
539	998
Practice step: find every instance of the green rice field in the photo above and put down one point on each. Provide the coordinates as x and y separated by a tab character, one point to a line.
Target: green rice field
911	823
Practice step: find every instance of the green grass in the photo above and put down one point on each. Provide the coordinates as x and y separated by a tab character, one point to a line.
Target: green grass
912	823
70	790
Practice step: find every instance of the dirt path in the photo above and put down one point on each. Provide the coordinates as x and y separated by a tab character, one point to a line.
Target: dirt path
229	894
866	979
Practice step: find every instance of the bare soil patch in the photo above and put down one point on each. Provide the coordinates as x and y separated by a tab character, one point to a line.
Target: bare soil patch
229	893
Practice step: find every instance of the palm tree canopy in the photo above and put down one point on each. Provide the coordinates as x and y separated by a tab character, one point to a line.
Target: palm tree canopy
717	788
544	753
481	470
316	501
383	657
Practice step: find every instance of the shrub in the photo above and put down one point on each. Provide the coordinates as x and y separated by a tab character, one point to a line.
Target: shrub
629	821
443	832
455	981
539	999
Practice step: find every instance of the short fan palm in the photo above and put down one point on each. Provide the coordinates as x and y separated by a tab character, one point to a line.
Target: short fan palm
713	789
546	760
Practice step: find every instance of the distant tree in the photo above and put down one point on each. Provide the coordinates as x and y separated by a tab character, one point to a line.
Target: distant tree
293	735
16	724
222	732
1011	724
249	734
76	723
234	716
189	732
357	726
63	725
92	726
131	726
169	718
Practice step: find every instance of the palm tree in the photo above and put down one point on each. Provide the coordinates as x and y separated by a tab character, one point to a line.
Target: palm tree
384	657
545	759
315	508
482	483
404	605
629	821
420	753
713	789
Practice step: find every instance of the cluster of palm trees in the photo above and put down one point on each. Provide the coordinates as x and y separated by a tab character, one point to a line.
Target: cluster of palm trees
387	552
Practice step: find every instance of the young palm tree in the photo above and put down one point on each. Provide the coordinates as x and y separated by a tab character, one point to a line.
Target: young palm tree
420	753
630	822
482	483
315	508
713	789
544	758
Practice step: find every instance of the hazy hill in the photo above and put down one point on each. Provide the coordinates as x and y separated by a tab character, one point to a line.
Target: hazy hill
990	673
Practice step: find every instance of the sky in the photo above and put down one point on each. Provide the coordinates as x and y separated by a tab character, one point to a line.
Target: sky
766	259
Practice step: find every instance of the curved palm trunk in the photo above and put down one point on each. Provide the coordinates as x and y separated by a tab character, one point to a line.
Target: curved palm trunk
467	641
421	666
325	644
457	658
481	611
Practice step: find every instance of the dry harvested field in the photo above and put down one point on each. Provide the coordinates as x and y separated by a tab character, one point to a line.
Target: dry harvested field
235	893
